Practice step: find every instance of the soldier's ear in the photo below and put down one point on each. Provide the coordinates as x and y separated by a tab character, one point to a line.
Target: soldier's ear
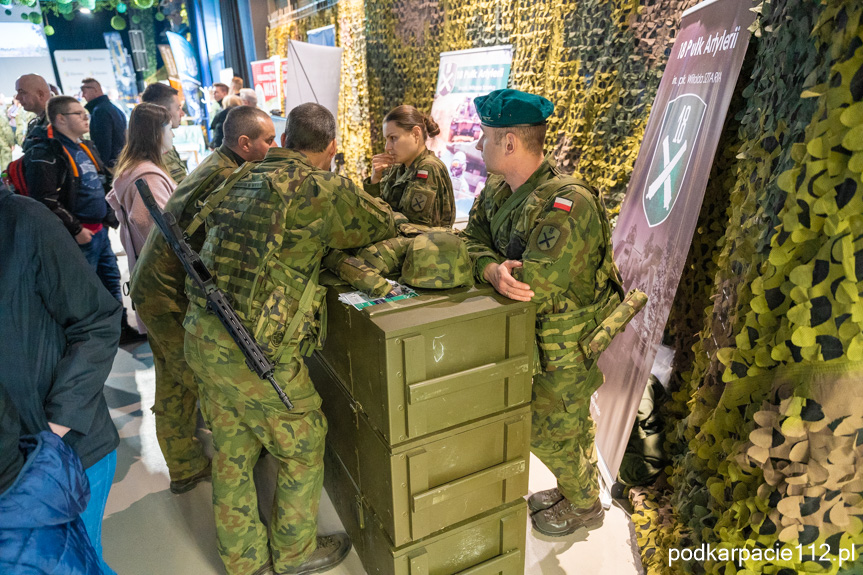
511	143
284	138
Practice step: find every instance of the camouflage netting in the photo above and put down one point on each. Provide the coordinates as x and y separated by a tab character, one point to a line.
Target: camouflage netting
767	433
764	426
354	142
600	62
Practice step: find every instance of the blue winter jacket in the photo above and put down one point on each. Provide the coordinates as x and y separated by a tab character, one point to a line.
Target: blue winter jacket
40	526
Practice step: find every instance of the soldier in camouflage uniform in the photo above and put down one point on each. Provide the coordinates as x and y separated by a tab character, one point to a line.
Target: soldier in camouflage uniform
415	184
167	97
157	290
538	235
409	177
265	242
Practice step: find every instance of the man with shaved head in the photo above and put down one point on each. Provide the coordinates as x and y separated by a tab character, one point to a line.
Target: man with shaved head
107	122
157	289
33	92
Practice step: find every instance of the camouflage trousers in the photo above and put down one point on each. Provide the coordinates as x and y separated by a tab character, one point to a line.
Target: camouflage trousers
562	430
246	415
176	404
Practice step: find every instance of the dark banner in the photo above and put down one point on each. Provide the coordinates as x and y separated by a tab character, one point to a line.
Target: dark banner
658	216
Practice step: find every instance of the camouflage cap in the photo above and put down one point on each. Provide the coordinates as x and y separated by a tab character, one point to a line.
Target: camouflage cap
437	260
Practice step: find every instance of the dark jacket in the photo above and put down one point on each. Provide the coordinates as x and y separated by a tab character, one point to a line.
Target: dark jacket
36	126
217	127
59	329
107	128
41	530
11	458
51	178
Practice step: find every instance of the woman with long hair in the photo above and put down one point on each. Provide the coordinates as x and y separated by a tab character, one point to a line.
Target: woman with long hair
148	138
408	176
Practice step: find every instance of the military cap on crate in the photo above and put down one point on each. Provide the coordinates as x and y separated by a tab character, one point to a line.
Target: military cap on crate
437	260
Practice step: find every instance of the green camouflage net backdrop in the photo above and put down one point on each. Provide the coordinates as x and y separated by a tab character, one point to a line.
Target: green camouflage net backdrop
764	425
348	18
599	62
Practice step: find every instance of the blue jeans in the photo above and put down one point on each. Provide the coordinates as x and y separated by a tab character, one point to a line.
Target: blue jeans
101	258
101	476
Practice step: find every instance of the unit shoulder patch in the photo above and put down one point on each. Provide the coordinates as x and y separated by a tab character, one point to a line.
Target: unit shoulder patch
548	236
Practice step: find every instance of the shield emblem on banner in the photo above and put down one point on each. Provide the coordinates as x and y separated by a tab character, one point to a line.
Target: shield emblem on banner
681	126
446	78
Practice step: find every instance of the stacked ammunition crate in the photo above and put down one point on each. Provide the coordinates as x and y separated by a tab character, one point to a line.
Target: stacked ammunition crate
428	402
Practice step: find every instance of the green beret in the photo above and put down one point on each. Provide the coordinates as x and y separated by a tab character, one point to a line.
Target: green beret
507	107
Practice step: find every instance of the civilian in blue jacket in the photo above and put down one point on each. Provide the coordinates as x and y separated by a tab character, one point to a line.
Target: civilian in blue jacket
60	329
107	122
43	491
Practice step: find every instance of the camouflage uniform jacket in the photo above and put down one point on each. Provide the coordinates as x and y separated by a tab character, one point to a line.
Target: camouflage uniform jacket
421	191
558	227
158	280
264	246
176	167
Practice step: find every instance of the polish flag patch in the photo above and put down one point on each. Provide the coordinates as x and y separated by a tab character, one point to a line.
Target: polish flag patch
422	174
563	204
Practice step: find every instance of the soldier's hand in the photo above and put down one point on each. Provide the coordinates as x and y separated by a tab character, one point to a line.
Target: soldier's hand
380	162
500	276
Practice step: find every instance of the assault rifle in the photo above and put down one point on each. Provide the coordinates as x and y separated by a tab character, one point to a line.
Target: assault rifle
217	301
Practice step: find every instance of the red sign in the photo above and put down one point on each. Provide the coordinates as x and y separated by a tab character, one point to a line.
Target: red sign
266	79
285	76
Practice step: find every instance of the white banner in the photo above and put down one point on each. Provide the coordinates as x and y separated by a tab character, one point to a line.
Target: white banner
312	74
463	75
75	65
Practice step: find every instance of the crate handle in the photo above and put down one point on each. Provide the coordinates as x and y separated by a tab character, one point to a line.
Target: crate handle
509	560
472	482
447	384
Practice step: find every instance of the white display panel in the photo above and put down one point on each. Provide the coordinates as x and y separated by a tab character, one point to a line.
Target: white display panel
24	49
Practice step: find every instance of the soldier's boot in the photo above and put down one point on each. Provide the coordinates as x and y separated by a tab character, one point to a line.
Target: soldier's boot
564	518
189	483
332	549
542	500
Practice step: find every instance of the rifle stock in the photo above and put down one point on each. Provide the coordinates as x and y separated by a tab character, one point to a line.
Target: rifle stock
217	301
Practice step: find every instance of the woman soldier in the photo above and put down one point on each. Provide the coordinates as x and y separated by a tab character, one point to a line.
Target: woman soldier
409	177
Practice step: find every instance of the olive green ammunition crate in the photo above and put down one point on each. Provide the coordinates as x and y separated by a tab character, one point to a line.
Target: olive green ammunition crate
421	365
425	485
490	544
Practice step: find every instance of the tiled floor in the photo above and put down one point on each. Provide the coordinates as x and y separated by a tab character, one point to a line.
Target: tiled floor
149	531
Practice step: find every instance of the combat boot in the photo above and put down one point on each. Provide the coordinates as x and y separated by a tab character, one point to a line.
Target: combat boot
189	483
544	499
332	549
564	518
